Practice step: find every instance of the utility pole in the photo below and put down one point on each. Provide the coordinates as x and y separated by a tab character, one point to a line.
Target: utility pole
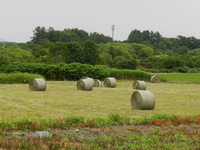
113	29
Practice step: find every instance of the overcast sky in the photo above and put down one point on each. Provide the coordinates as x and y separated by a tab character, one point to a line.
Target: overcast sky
18	18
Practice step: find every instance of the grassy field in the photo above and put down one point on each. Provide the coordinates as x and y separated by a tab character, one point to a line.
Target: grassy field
181	77
62	99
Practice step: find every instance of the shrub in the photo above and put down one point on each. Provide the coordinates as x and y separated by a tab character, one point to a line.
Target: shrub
74	71
17	77
181	69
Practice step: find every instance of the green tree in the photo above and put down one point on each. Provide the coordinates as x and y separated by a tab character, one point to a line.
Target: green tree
181	50
59	52
142	51
14	53
104	58
39	35
124	63
75	52
90	53
135	37
83	35
194	52
172	62
100	38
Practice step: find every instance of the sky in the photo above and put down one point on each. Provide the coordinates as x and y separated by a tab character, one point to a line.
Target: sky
18	18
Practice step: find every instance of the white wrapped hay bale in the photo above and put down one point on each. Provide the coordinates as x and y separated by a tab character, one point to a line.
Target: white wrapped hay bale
110	82
37	84
88	78
140	85
155	79
85	77
97	83
143	100
85	84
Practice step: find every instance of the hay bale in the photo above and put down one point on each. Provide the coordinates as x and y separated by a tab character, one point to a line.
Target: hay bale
37	84
143	100
155	79
88	78
85	77
140	85
110	82
85	84
97	83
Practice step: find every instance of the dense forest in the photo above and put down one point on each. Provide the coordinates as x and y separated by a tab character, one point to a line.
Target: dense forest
143	50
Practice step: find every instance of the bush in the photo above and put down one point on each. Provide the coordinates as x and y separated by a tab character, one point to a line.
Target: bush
181	69
129	74
74	71
17	77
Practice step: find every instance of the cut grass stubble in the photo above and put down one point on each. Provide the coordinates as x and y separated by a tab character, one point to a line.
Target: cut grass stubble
62	99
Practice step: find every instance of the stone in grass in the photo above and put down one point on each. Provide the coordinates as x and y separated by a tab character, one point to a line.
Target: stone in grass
43	134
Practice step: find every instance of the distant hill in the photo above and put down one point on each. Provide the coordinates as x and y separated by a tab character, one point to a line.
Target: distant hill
2	40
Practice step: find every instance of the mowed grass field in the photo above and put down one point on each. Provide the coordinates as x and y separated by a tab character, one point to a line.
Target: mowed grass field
62	99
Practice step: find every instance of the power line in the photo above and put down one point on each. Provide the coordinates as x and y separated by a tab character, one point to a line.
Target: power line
113	29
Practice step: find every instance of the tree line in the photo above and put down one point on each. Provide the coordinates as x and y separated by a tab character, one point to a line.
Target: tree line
42	35
142	50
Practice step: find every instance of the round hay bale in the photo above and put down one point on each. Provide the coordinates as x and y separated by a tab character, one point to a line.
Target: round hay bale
37	84
155	79
143	100
140	85
85	77
85	84
110	82
88	78
97	83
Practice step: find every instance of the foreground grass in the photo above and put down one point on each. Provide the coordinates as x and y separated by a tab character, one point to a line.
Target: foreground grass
115	132
181	77
182	137
158	132
62	99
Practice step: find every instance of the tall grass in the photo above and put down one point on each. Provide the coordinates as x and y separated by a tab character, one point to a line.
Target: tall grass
17	78
129	74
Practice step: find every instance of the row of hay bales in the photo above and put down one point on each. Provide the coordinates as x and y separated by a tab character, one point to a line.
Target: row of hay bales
87	84
141	98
